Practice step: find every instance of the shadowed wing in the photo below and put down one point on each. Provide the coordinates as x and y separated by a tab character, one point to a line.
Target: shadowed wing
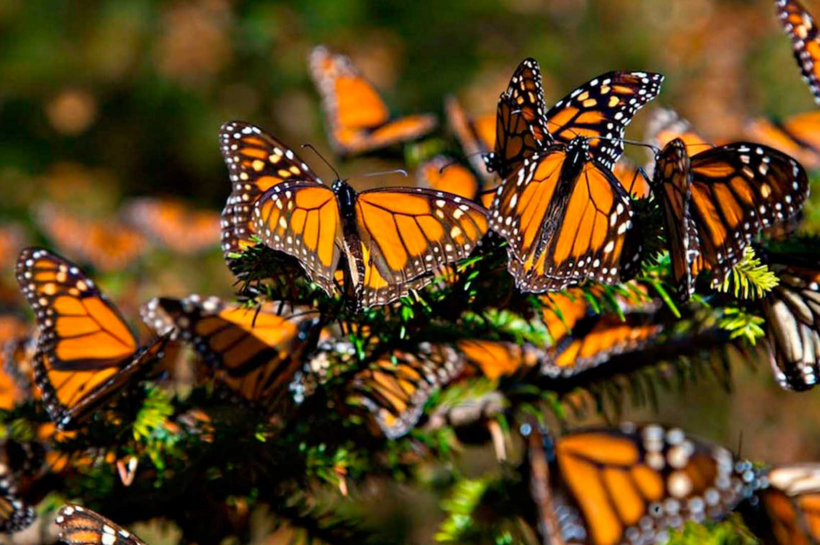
302	219
81	526
408	234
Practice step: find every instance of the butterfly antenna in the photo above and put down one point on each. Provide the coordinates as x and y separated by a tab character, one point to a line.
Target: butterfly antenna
383	173
654	148
325	161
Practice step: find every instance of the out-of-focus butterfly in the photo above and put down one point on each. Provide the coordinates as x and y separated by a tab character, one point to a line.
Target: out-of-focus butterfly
254	351
106	245
396	387
602	107
792	311
442	174
665	125
392	240
634	181
15	514
81	526
85	352
596	340
633	484
358	119
801	28
717	201
496	359
790	505
174	224
15	340
256	162
797	136
566	218
476	135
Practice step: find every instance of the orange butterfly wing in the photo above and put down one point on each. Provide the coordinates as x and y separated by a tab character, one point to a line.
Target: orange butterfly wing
603	107
563	228
618	485
665	125
477	135
254	351
85	351
632	179
81	526
409	234
497	359
174	224
737	191
302	219
798	137
256	162
802	29
359	119
791	504
396	387
441	174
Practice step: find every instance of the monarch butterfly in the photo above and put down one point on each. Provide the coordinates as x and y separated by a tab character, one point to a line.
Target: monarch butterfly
716	201
255	352
15	515
597	341
796	136
602	107
106	245
632	178
801	28
393	240
498	359
81	526
256	162
85	352
359	121
174	224
632	484
566	218
792	311
441	174
396	387
665	125
789	504
476	135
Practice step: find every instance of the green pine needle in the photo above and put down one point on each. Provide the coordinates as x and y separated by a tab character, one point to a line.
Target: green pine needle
741	324
750	278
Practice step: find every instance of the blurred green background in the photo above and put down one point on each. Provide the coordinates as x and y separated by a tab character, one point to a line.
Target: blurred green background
101	100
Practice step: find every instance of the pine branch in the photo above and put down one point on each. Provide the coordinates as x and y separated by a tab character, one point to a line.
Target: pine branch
750	278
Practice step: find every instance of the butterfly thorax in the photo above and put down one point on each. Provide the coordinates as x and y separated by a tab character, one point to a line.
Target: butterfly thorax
346	198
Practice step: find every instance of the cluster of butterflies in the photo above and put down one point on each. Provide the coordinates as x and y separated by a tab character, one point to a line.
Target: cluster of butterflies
553	186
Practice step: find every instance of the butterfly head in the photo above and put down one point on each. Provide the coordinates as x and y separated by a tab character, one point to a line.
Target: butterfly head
672	158
577	155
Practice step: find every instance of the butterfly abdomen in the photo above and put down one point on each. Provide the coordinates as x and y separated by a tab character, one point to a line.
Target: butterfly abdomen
347	199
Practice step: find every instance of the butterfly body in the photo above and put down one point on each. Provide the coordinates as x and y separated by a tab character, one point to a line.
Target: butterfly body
565	218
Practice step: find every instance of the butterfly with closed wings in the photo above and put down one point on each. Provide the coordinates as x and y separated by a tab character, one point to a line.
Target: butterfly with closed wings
718	200
85	352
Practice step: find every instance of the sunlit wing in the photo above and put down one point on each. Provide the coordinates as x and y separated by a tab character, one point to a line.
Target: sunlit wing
802	29
358	118
442	174
174	224
82	526
609	486
302	219
254	351
564	225
603	107
85	351
256	162
397	386
737	191
408	234
665	125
